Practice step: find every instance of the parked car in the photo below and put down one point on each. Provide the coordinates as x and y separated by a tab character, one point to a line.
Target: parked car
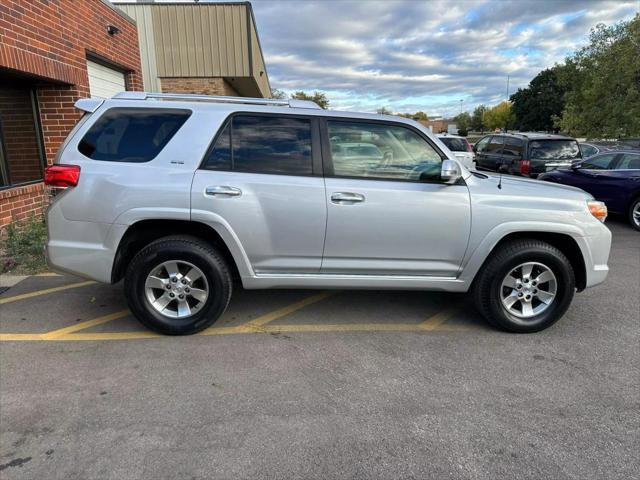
177	194
611	177
460	148
525	154
591	148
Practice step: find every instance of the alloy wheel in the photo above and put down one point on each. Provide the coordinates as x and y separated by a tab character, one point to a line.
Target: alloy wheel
528	290
176	289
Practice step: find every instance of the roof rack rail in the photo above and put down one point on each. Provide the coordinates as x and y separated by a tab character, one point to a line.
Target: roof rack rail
188	97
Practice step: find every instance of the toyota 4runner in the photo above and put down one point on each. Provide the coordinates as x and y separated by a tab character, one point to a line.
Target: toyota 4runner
179	194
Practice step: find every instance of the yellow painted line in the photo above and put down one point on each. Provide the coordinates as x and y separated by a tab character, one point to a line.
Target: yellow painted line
106	336
46	291
258	323
88	324
438	319
346	327
19	337
47	274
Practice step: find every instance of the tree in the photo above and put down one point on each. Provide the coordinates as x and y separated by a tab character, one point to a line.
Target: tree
384	111
477	119
463	123
500	116
278	94
319	97
418	116
602	81
536	106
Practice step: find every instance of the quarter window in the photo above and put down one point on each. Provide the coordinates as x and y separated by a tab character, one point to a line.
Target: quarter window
390	152
629	161
601	162
263	144
513	147
131	134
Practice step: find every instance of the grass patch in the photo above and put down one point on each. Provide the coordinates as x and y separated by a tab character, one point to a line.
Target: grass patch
22	246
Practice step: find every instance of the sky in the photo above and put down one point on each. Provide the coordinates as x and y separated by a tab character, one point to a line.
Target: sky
410	55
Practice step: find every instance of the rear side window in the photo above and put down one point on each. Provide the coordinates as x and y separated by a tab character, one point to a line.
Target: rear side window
131	134
554	150
263	144
513	147
454	144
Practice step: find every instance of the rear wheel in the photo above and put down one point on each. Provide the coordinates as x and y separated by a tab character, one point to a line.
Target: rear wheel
178	285
634	213
525	287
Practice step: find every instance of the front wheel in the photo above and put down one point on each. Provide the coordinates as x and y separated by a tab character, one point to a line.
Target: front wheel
525	286
634	213
178	285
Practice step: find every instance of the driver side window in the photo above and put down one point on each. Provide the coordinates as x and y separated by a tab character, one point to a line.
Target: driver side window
379	151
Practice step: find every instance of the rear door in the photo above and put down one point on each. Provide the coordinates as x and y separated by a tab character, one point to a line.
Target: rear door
512	155
480	149
391	216
262	177
493	153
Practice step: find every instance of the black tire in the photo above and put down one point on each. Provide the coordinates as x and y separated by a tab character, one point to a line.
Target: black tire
184	249
634	204
488	285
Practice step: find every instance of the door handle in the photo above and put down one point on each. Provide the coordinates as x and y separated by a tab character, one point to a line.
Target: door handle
346	198
223	190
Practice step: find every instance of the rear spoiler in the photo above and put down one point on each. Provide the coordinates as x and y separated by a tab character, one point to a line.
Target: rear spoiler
89	105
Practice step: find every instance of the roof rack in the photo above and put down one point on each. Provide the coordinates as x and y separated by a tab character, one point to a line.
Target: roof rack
187	97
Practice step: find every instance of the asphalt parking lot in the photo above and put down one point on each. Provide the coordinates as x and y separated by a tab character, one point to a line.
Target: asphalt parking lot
313	384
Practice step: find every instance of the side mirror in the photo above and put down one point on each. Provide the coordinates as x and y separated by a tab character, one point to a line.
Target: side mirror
450	172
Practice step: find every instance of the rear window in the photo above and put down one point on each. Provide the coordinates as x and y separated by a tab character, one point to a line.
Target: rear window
263	144
454	144
131	134
554	150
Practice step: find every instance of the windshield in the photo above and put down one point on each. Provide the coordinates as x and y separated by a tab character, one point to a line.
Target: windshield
455	144
554	150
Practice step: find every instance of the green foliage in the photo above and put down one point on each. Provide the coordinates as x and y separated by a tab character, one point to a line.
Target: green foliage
536	106
418	116
603	83
463	122
500	116
23	246
477	119
278	94
318	97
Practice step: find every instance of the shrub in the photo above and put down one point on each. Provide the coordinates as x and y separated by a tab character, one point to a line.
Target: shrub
22	246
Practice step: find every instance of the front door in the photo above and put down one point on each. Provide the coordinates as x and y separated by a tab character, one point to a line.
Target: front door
388	212
260	181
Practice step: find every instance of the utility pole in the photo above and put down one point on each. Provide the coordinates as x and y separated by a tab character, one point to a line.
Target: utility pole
461	105
507	87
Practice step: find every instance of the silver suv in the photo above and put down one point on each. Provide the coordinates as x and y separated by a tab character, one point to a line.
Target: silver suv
179	194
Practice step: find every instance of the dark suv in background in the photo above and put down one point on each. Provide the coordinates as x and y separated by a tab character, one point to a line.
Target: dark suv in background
525	154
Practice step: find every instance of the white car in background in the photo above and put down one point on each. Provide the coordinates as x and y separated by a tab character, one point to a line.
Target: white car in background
460	147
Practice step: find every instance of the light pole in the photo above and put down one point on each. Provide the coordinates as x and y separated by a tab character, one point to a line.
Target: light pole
461	105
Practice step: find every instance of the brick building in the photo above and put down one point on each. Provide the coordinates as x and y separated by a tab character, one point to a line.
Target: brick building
51	54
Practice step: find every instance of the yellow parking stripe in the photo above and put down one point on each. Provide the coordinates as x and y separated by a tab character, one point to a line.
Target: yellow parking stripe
37	293
89	323
438	319
258	323
19	337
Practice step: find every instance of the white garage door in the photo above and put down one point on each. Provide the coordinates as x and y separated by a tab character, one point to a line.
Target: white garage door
104	81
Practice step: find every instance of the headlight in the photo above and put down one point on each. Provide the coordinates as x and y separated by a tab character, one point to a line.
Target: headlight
598	209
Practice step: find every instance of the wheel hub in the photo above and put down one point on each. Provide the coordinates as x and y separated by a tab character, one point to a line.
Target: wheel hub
528	289
176	289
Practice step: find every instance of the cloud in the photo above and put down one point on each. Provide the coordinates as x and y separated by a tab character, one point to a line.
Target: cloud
418	55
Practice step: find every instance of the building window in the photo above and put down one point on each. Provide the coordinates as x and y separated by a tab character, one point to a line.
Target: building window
21	154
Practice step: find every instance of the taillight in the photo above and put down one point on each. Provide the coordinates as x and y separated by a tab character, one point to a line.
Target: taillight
62	175
525	167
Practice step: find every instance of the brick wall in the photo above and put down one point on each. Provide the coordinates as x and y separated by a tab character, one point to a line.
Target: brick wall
18	203
46	42
203	86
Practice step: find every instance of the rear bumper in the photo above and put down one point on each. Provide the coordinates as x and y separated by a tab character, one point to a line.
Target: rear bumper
85	249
